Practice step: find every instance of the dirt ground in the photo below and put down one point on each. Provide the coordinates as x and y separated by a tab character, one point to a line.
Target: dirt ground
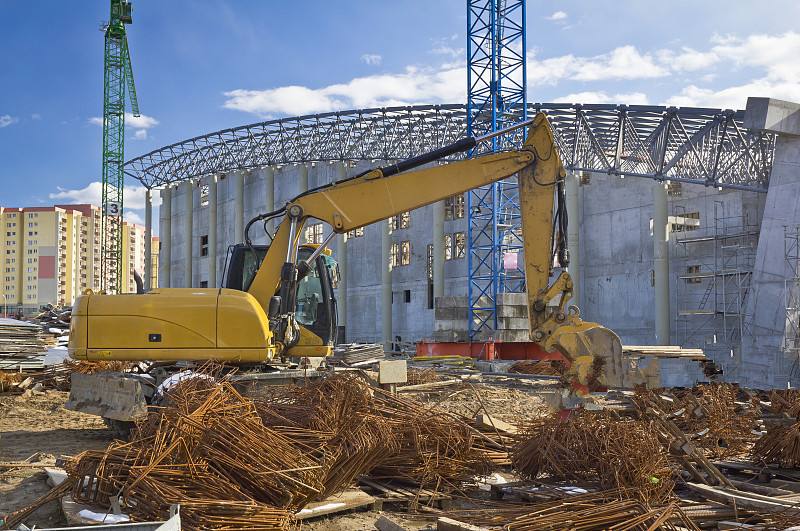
38	425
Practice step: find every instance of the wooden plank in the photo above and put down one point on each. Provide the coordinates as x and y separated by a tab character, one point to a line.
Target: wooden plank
448	524
347	500
745	500
492	423
433	386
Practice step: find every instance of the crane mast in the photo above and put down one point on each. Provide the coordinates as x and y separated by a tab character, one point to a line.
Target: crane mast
117	84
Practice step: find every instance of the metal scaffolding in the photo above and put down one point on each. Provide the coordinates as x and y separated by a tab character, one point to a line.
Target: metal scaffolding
791	291
712	291
496	83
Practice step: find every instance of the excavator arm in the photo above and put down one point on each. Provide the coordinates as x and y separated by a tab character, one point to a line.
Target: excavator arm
384	192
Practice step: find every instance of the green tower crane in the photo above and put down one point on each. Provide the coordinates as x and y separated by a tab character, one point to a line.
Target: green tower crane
117	83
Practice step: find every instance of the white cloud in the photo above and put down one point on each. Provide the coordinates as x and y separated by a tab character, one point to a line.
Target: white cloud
633	98
7	119
415	85
769	59
774	55
134	196
624	62
134	122
36	116
140	122
557	16
372	59
688	59
132	217
735	97
140	134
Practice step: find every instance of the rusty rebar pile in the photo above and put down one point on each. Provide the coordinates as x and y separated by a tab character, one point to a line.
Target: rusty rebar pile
596	446
607	509
714	408
785	401
229	461
780	445
418	376
392	437
542	367
93	367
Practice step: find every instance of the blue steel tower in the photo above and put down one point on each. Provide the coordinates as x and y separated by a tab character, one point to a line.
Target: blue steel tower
496	80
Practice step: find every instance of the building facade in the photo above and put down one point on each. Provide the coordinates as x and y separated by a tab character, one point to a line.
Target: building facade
52	254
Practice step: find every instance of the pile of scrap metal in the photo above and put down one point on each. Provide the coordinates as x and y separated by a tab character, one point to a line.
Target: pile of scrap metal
235	462
56	377
22	345
358	354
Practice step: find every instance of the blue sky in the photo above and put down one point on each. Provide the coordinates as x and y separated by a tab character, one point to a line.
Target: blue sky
206	65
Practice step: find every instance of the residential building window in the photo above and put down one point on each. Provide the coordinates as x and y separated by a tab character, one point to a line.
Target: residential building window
203	195
448	246
405	252
394	255
204	245
204	283
314	233
460	242
356	233
454	207
407	295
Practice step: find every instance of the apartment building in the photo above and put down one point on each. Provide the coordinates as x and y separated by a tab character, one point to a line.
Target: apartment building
51	254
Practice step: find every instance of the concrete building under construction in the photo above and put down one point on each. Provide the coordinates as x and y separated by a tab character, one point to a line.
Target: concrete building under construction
715	277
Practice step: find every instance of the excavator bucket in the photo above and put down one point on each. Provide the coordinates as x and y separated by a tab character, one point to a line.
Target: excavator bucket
595	354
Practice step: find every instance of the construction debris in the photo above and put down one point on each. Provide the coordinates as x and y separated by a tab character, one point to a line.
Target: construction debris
540	367
22	345
418	376
358	354
230	461
780	446
596	447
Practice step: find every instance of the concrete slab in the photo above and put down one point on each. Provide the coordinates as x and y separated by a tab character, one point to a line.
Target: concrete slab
769	114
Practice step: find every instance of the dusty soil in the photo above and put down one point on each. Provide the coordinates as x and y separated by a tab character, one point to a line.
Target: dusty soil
38	425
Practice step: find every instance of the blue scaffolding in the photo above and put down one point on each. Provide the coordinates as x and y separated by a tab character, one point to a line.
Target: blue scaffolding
496	79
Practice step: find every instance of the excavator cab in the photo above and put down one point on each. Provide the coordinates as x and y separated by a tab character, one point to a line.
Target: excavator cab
315	308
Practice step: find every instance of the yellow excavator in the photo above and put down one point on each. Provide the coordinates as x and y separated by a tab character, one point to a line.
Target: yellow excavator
278	300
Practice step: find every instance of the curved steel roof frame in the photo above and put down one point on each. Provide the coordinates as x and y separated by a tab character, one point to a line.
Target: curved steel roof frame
694	145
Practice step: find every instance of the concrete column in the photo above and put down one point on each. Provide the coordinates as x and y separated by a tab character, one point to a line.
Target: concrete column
165	237
147	276
302	178
661	262
438	249
188	218
212	231
341	256
238	207
269	194
572	185
386	285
